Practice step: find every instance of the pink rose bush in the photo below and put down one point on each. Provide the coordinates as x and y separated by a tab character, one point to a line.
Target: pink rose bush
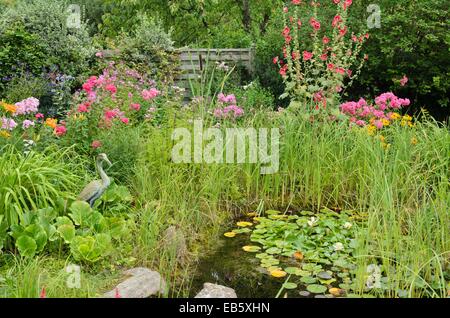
316	75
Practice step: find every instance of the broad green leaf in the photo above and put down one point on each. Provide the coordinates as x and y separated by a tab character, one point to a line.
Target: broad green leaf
26	245
316	289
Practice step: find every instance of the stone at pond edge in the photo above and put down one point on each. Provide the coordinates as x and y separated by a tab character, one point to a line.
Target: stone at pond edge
216	291
143	283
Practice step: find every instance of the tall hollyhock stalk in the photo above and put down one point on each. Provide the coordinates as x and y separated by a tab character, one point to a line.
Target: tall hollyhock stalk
316	76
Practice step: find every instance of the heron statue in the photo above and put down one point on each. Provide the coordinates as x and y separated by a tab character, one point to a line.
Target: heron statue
95	189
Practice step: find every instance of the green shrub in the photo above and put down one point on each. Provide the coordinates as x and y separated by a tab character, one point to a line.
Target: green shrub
146	47
24	86
36	40
413	40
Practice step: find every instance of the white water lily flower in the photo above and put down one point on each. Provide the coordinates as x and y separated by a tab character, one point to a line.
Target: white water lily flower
313	221
347	225
338	246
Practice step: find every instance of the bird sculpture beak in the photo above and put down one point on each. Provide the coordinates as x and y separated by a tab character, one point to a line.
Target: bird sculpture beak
108	162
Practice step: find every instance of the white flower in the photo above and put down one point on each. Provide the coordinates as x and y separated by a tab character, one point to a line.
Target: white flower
347	225
313	221
28	143
338	246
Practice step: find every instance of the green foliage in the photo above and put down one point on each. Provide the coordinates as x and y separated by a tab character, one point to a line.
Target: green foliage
25	85
146	47
413	41
35	181
20	49
39	43
255	97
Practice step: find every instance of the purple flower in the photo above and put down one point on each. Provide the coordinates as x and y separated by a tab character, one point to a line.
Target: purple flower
27	106
8	123
27	124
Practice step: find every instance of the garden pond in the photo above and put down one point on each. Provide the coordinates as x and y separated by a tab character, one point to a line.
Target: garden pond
287	255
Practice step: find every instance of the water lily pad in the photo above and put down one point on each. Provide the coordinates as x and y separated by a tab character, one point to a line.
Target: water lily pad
251	214
277	217
308	279
273	250
251	249
242	230
293	270
316	289
272	212
278	273
304	293
262	255
312	267
289	286
324	275
230	234
244	224
327	281
304	273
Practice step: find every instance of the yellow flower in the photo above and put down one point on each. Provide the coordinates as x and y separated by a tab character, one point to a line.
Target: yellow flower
4	134
79	117
382	139
395	116
386	146
414	141
386	122
51	122
230	234
407	118
244	224
9	108
278	273
371	130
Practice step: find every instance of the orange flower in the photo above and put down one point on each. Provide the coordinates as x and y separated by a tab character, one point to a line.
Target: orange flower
51	122
9	108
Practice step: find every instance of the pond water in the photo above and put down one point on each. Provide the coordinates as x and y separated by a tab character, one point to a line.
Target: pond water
230	266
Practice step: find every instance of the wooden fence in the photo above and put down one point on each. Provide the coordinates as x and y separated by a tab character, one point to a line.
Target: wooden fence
194	61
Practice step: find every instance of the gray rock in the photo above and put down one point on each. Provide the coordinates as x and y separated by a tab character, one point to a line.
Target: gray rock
142	283
216	291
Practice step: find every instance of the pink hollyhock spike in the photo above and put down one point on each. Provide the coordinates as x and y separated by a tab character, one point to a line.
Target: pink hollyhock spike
43	293
117	295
